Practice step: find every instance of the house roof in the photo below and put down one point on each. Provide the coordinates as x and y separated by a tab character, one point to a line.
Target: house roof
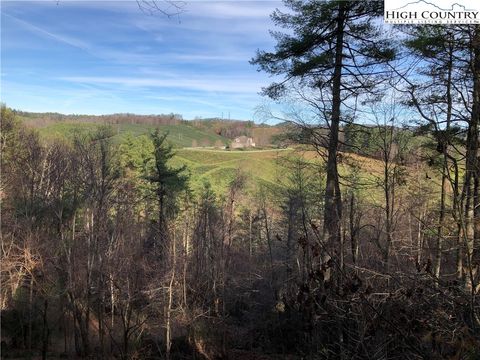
242	138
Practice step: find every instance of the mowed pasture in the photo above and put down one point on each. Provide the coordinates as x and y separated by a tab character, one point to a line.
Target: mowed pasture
220	167
274	168
180	135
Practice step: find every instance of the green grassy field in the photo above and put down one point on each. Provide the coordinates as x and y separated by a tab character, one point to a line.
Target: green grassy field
272	168
219	167
180	135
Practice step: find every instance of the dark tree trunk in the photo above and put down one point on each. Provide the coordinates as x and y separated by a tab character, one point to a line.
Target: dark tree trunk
444	144
473	147
333	200
45	331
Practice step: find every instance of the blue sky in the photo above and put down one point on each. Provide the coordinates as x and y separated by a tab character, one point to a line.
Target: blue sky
102	57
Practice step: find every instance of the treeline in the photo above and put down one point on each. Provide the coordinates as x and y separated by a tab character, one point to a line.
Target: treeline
226	128
44	119
367	140
230	129
263	135
362	139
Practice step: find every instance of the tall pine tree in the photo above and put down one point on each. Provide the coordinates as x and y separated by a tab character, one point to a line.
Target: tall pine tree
167	181
336	49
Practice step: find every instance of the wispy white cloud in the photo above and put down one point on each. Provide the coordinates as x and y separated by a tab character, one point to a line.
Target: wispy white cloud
44	33
226	57
233	9
210	83
142	55
187	99
129	61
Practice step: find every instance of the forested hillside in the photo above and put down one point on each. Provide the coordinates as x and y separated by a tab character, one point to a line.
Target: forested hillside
352	233
180	133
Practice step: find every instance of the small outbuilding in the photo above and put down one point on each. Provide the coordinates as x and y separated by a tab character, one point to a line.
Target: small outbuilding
242	142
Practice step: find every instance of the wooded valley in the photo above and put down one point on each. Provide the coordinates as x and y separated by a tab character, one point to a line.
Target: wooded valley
353	233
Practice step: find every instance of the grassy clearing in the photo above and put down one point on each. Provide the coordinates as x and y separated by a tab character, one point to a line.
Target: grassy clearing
269	167
219	167
180	135
272	168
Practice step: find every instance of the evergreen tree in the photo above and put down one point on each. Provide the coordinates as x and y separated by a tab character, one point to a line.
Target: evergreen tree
167	181
334	48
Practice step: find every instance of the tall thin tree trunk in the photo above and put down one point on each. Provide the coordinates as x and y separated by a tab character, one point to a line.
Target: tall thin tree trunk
333	201
30	312
441	218
420	236
250	236
185	261
168	330
353	230
475	121
387	185
459	253
290	232
445	149
269	240
45	331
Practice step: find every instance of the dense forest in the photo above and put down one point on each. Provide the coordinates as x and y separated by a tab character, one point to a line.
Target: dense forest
364	245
